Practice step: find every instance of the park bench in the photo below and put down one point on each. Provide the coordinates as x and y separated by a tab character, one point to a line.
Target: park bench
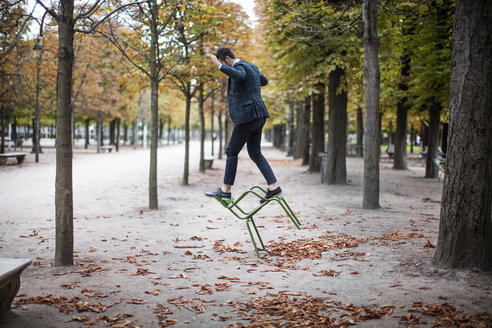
232	205
19	156
10	270
208	162
441	165
108	148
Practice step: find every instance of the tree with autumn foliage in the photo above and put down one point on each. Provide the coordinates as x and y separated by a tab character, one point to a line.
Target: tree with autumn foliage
69	24
204	25
99	86
14	21
148	43
314	44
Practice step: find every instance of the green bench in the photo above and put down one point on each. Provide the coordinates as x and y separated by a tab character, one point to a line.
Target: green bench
441	165
233	206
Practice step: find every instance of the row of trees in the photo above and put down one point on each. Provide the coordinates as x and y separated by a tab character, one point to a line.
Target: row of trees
310	50
105	54
318	52
391	61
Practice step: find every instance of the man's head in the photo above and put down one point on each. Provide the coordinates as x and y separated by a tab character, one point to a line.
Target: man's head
225	56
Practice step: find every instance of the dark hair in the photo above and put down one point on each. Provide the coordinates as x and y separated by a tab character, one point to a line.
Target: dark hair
223	52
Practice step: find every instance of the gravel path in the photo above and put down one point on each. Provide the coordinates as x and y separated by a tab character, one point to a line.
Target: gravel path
191	264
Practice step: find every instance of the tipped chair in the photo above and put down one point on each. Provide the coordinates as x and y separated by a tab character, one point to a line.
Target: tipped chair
233	206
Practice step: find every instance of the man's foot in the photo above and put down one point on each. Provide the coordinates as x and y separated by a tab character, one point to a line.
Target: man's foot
272	193
226	195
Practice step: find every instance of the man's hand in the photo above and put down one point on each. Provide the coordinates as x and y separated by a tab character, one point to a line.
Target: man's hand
215	61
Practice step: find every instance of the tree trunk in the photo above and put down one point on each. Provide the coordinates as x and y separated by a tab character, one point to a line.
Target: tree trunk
117	143
465	231
283	137
33	135
444	138
201	166
371	117
63	184
161	128
412	138
425	134
186	168
134	133
360	131
318	130
87	133
154	106
298	134
2	144
154	135
434	123
14	137
102	131
276	139
400	150
99	134
390	133
212	131
125	133
336	169
144	134
290	146
306	130
112	128
169	130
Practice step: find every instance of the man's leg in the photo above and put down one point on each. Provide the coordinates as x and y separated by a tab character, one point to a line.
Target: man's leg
239	136
254	151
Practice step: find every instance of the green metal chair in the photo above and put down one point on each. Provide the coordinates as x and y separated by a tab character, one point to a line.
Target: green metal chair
232	205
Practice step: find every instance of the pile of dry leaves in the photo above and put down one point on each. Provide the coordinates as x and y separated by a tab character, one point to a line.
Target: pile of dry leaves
286	309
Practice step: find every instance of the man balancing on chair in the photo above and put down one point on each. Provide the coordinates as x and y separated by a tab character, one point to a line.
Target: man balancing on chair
248	112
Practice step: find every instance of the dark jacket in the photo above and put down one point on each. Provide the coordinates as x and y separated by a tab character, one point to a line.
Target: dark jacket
243	93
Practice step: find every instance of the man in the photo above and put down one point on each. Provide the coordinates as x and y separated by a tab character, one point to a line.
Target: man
248	112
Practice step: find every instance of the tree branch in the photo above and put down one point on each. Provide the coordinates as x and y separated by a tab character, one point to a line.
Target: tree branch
114	41
170	70
91	10
17	37
93	28
49	11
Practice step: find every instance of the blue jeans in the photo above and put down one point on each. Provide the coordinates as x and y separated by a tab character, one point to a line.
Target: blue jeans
250	133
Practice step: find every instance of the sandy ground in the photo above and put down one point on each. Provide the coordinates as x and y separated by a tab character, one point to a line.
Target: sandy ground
191	264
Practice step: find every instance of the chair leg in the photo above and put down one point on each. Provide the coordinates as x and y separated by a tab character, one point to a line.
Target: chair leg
252	238
290	213
257	233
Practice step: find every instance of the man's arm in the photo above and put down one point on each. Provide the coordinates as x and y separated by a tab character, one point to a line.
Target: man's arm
238	72
263	80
